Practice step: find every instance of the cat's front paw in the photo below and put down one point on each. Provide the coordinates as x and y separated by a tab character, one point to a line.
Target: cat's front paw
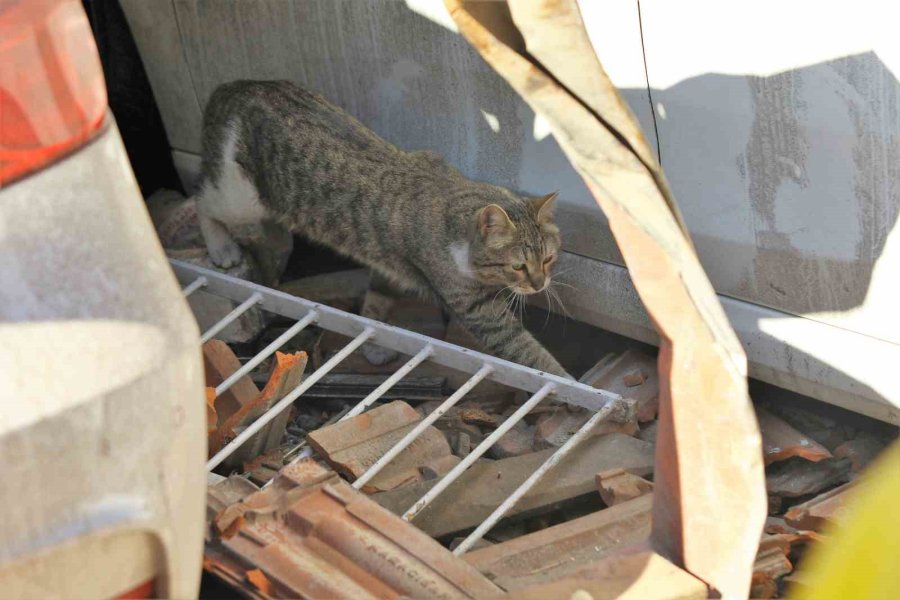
376	355
226	255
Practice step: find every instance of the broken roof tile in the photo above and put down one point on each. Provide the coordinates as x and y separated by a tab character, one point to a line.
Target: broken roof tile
617	486
814	514
781	441
354	445
326	540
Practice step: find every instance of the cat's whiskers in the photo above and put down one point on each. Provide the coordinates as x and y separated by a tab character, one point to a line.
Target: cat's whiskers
494	299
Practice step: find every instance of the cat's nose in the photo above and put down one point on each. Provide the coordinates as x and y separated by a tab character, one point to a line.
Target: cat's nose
537	281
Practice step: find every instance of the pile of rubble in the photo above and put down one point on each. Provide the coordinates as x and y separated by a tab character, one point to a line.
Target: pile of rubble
286	520
307	533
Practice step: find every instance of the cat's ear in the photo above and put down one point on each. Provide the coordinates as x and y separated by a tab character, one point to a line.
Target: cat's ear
543	207
493	219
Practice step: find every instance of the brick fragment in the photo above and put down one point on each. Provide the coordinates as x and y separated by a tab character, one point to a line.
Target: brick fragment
516	442
219	362
617	486
781	441
825	508
860	451
798	477
354	445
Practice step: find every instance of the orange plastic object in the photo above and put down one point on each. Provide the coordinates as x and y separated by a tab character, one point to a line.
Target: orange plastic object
141	592
52	92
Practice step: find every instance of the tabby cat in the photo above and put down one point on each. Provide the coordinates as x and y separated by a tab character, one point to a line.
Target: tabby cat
274	153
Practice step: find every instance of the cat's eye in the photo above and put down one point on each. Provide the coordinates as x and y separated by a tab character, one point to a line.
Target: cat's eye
518	267
548	259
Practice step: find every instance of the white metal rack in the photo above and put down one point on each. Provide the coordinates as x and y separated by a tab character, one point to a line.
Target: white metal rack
420	348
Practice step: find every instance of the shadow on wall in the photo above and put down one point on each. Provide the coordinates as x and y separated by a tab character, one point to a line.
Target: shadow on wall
789	182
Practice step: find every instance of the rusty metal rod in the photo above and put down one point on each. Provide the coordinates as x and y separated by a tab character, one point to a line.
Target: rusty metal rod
476	453
535	477
282	404
194	286
266	352
410	437
230	317
402	372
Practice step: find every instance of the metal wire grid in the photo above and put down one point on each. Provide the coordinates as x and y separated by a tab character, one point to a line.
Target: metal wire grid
420	348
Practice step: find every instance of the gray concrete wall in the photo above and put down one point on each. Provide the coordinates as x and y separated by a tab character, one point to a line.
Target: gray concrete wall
781	144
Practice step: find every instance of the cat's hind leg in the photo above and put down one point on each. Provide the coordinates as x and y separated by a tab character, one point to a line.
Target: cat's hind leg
223	251
377	305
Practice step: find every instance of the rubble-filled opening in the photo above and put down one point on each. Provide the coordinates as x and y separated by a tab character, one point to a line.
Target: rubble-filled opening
594	504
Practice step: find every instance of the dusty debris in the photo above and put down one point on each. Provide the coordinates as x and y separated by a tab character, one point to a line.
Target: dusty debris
648	432
561	549
825	508
175	219
341	289
633	576
617	486
481	489
822	428
610	373
212	417
798	477
347	386
311	535
219	362
771	563
860	451
781	441
354	445
286	375
632	375
554	429
516	442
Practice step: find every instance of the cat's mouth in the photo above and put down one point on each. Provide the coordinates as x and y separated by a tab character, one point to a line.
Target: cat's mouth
530	290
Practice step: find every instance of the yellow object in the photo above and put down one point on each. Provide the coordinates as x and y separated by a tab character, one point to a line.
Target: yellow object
861	559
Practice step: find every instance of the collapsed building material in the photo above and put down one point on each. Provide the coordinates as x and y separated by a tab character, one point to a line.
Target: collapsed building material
781	441
341	289
632	375
310	535
515	442
797	477
353	445
702	471
286	375
559	550
219	362
479	490
860	451
610	373
352	386
825	508
634	576
617	486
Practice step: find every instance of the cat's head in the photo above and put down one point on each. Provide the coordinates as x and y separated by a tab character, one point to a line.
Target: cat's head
516	247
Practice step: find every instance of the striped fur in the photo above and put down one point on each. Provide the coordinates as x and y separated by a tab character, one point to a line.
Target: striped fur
273	152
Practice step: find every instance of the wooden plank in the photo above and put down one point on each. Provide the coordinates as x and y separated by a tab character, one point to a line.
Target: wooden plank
481	489
354	445
636	576
559	550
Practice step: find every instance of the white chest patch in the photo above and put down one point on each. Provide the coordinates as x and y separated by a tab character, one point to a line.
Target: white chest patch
233	198
459	251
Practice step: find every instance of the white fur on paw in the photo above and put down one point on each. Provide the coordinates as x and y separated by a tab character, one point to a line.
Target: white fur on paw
226	256
376	355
